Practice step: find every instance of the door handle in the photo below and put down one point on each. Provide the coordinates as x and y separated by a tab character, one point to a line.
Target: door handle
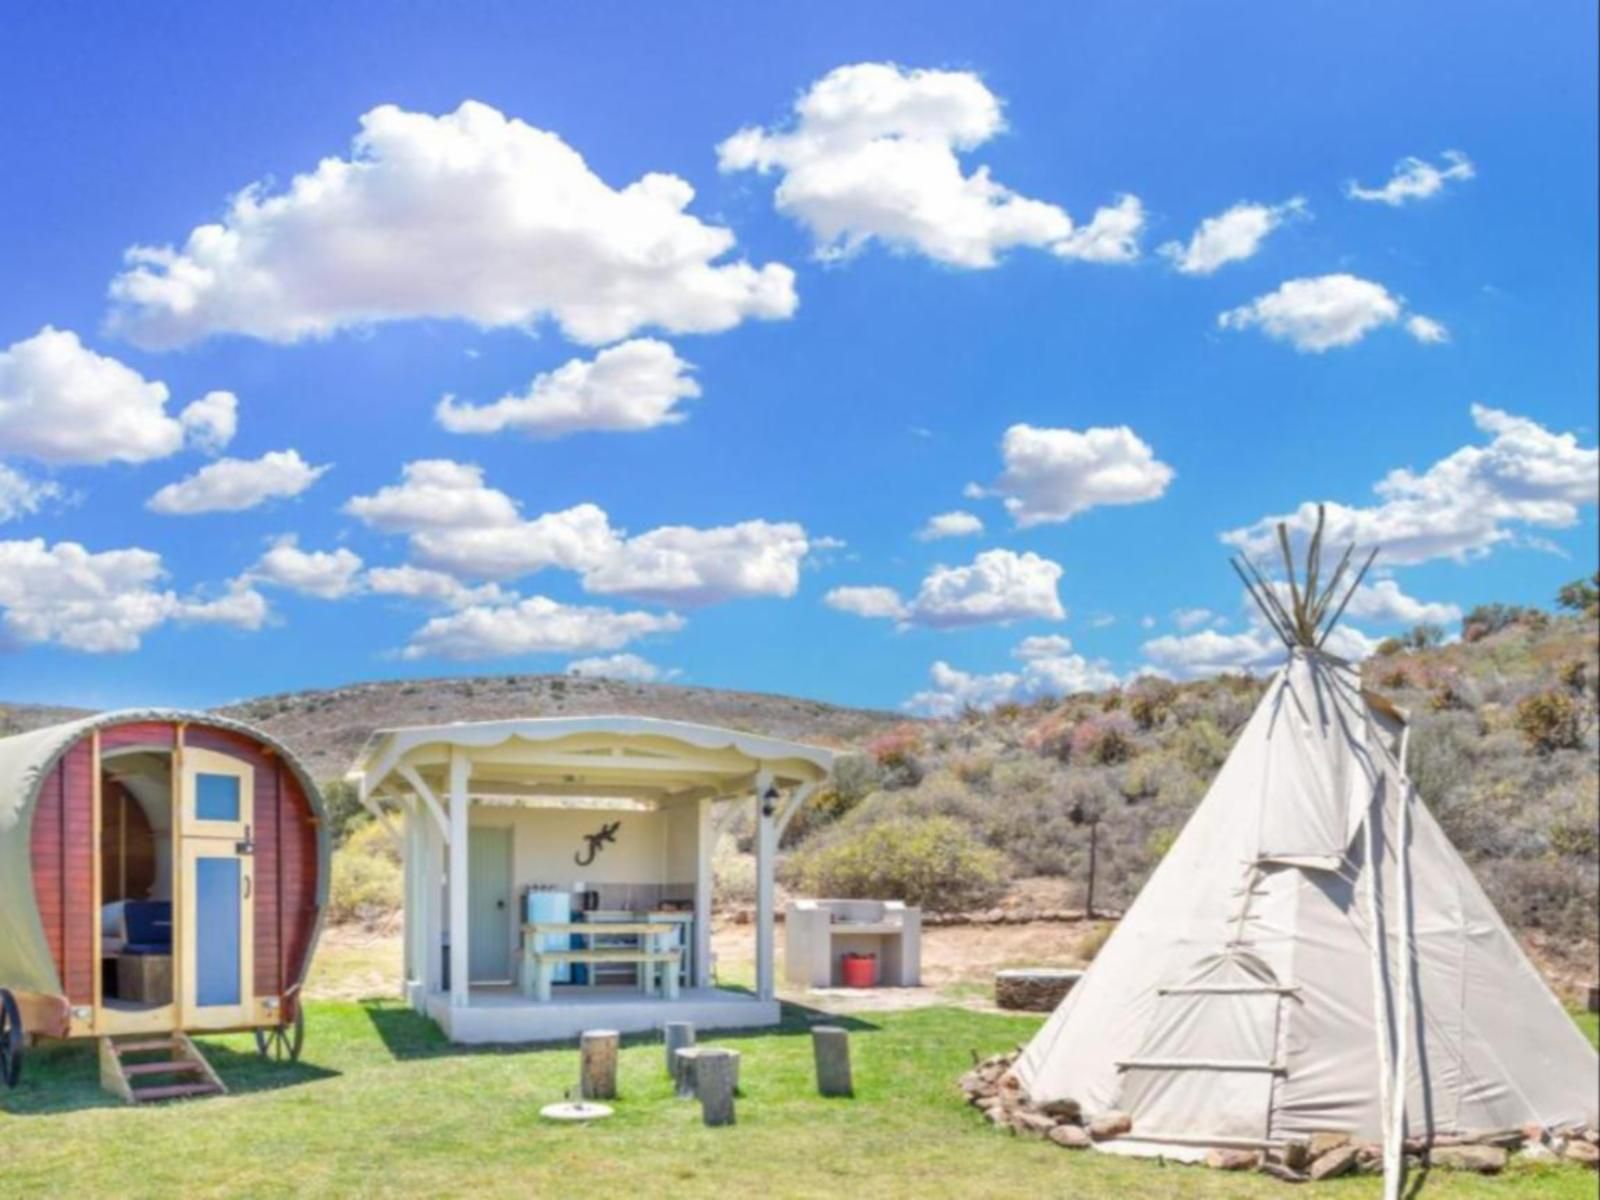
499	903
247	887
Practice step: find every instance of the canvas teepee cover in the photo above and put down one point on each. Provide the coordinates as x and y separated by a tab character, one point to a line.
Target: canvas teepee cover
1250	996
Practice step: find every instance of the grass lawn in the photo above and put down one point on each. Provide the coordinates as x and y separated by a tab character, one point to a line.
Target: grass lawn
381	1105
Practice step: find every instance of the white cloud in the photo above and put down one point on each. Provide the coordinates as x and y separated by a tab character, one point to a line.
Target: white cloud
1044	645
1426	329
326	574
997	587
625	388
950	524
62	403
1112	236
104	602
458	524
1414	179
1327	311
872	602
683	565
1461	506
235	484
436	587
872	153
1257	649
1058	674
1384	602
1193	618
469	215
1052	475
21	496
534	625
435	493
211	421
628	668
1230	236
1102	621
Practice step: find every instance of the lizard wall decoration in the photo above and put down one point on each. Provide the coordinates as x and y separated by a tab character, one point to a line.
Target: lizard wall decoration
597	842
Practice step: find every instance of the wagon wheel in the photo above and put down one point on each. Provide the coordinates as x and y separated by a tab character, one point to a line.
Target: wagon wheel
10	1040
282	1042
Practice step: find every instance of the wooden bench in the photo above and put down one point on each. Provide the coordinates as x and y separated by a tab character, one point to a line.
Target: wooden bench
538	965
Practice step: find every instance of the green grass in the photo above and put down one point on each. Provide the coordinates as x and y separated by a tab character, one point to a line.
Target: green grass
381	1105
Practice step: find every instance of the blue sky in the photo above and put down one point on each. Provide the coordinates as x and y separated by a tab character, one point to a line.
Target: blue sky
775	385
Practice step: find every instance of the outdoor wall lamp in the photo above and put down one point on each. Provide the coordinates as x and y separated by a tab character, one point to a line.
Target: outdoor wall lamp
769	800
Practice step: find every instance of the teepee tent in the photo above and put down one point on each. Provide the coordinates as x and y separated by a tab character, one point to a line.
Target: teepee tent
1311	940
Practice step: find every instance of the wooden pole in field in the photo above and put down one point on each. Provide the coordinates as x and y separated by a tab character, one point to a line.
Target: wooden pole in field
597	1079
1094	846
830	1047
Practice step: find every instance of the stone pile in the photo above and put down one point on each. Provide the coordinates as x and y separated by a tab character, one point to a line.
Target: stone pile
992	1088
1034	989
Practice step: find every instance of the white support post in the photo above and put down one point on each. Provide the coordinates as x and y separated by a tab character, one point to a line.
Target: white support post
411	911
766	856
704	879
460	773
432	924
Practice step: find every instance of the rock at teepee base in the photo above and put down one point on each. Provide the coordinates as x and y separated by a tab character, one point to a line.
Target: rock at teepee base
1579	1150
1321	1143
1338	1161
1485	1160
1222	1159
1110	1125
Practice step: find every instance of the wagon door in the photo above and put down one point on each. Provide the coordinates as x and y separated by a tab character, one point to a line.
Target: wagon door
215	881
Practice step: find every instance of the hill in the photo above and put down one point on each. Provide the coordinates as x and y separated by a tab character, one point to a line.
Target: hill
326	728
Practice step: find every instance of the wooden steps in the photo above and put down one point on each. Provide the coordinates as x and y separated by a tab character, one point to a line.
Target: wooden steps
187	1073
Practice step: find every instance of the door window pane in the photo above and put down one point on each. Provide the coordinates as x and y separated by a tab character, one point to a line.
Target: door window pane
217	911
216	797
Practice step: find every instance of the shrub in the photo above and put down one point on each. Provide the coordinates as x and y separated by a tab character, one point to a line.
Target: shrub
366	882
343	808
1487	619
934	862
1389	647
1150	701
1202	747
1550	721
733	875
1103	741
974	770
855	777
1581	594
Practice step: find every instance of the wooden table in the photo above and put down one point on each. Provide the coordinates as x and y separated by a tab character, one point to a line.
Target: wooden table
538	965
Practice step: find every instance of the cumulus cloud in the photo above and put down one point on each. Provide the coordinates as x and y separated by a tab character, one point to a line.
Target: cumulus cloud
534	625
1257	649
627	668
1327	311
457	523
996	588
235	484
872	602
1041	674
325	574
1052	475
873	152
1463	505
1230	236
104	602
626	388
433	587
471	215
1415	179
21	496
950	524
1385	603
683	565
1044	645
63	404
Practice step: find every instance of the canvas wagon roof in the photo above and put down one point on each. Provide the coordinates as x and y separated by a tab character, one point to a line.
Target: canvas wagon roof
614	748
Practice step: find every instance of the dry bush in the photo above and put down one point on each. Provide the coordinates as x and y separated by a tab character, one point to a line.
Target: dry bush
934	862
366	880
1550	721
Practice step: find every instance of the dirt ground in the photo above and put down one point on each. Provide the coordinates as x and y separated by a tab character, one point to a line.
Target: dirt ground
958	962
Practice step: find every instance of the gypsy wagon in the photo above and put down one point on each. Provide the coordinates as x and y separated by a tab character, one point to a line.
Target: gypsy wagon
161	873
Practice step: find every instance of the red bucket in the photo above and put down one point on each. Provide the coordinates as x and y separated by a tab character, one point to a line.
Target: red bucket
860	970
